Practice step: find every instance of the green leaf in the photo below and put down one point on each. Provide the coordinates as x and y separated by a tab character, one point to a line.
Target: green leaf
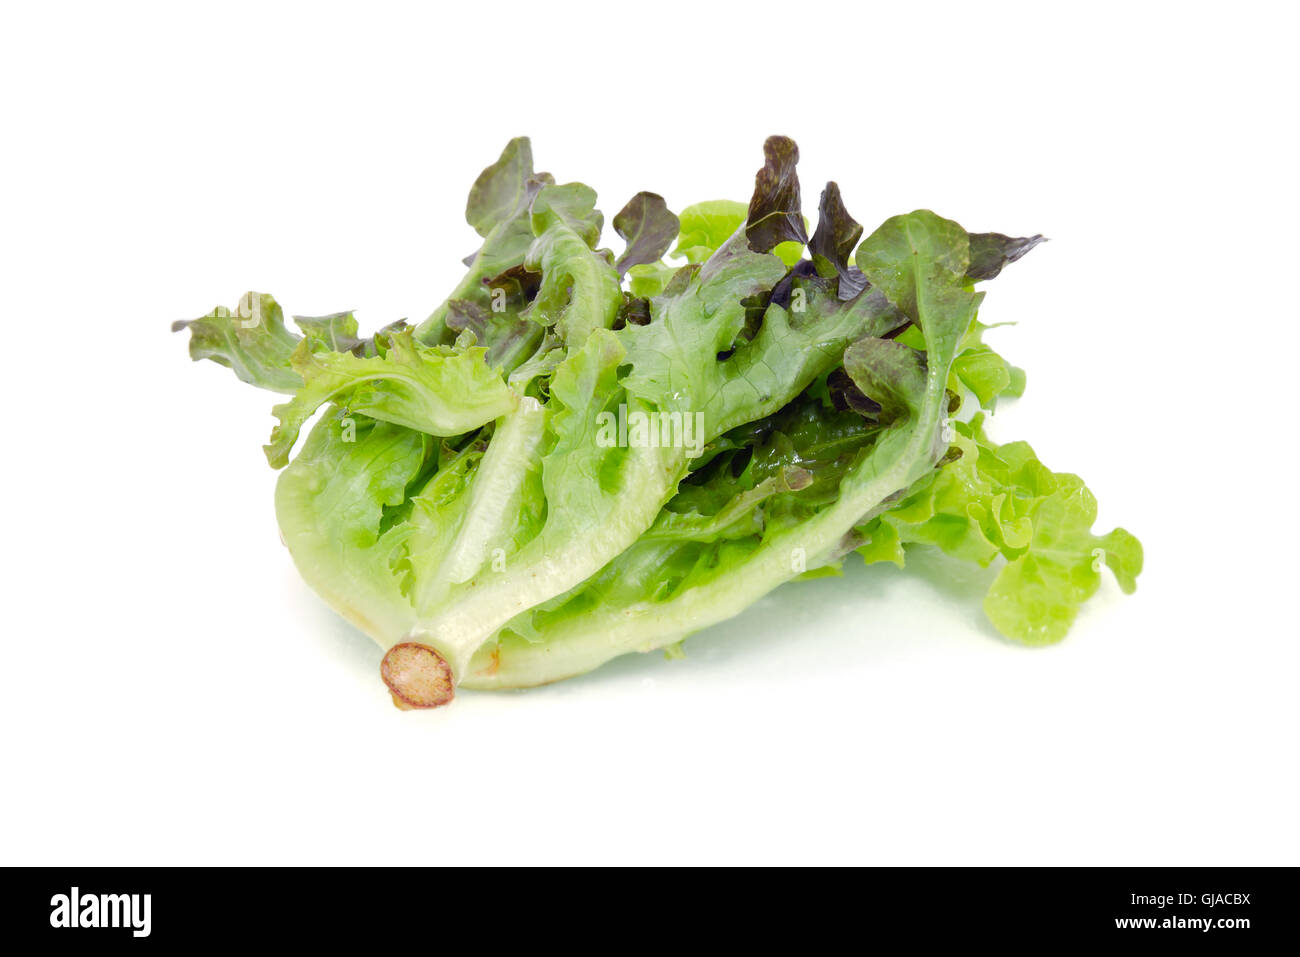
501	189
483	506
919	262
674	358
1000	500
1036	597
430	390
574	206
254	341
706	226
882	545
500	209
650	279
335	505
977	367
579	290
336	332
910	254
251	340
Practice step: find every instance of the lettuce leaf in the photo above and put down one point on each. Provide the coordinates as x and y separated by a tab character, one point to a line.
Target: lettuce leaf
1000	501
432	390
553	469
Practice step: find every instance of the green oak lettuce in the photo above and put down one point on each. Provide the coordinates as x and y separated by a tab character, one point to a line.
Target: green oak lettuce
1000	501
466	499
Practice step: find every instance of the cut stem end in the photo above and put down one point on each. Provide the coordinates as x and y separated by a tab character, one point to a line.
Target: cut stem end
417	676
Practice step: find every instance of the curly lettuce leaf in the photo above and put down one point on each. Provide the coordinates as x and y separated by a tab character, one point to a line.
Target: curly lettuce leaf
501	189
579	290
500	210
337	504
650	279
432	390
251	340
706	226
999	500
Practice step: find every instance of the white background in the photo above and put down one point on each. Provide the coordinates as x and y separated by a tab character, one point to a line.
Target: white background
170	692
